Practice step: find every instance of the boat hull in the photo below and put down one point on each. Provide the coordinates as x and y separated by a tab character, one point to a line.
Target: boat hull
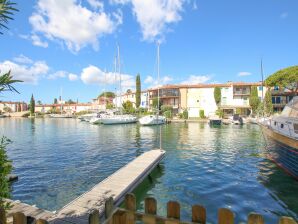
215	121
282	150
152	120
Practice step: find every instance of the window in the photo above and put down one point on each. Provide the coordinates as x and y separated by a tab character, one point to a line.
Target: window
282	125
275	123
296	128
273	100
260	88
277	100
276	88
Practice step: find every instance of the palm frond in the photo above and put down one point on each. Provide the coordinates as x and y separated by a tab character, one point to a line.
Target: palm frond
7	9
7	81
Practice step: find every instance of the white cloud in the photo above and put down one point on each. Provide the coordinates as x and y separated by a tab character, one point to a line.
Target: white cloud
94	75
23	59
244	74
196	79
35	40
58	74
284	15
73	24
29	73
194	6
154	16
72	77
149	79
166	79
96	4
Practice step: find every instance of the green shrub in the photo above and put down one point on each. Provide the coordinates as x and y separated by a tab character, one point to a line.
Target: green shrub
219	113
165	108
185	114
168	114
26	114
202	114
180	115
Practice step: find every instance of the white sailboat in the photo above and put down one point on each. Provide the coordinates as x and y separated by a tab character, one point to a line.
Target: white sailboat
122	118
154	119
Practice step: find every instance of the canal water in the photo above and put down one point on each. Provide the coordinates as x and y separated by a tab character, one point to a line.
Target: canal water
58	159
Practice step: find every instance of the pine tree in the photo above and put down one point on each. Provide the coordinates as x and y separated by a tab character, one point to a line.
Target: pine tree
138	91
217	95
254	100
268	106
32	105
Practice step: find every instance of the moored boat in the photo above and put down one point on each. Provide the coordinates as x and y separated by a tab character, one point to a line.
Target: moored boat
281	134
215	120
119	119
152	120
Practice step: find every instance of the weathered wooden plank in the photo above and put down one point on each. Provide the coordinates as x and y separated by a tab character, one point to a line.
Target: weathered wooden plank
19	218
225	216
198	214
94	217
150	205
173	210
286	220
109	207
130	202
254	218
2	216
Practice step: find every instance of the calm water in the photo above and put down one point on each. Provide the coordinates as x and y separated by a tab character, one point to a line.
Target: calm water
57	160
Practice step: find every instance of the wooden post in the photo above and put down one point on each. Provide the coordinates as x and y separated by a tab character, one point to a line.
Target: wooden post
225	216
109	206
150	206
150	210
2	216
198	214
119	217
94	217
286	220
173	210
41	221
130	205
19	218
254	218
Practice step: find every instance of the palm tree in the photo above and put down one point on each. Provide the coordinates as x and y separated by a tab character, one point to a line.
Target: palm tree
6	82
7	9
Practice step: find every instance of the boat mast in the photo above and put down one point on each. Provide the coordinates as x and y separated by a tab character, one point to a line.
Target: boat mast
60	100
105	92
157	79
262	79
119	70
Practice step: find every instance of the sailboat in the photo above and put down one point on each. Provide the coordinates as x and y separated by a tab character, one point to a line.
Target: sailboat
154	119
61	115
122	118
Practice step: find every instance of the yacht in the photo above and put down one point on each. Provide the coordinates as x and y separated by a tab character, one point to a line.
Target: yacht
61	116
119	119
152	120
281	134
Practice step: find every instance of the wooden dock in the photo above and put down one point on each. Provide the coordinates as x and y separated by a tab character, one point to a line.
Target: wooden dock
117	186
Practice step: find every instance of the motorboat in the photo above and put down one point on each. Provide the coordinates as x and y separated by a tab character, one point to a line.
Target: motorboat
152	120
237	119
61	116
215	120
281	134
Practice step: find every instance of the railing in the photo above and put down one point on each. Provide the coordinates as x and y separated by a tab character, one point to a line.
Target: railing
129	215
241	92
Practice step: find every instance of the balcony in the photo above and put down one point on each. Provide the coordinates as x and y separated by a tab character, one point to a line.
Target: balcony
241	93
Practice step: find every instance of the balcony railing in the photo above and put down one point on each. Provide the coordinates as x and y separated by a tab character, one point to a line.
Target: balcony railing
243	92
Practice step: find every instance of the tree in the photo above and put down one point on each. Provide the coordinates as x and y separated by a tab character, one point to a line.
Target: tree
285	78
155	103
254	100
128	107
70	101
128	91
6	11
32	105
6	82
217	95
268	107
107	94
39	102
7	109
138	91
55	101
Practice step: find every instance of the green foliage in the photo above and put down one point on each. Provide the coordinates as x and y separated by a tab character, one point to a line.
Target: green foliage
110	105
5	170
155	103
238	111
219	113
32	105
107	94
82	112
166	108
268	107
138	91
217	95
39	102
185	114
286	78
128	107
54	110
128	91
26	114
202	114
6	80
7	109
254	100
7	8
70	101
168	114
55	101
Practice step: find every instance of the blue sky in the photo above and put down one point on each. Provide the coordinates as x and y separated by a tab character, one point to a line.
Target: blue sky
71	44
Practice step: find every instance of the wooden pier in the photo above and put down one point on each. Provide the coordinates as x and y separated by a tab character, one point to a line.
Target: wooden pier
116	186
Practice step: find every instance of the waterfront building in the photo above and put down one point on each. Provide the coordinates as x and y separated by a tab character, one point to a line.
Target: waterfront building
13	106
66	108
280	97
131	96
100	103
